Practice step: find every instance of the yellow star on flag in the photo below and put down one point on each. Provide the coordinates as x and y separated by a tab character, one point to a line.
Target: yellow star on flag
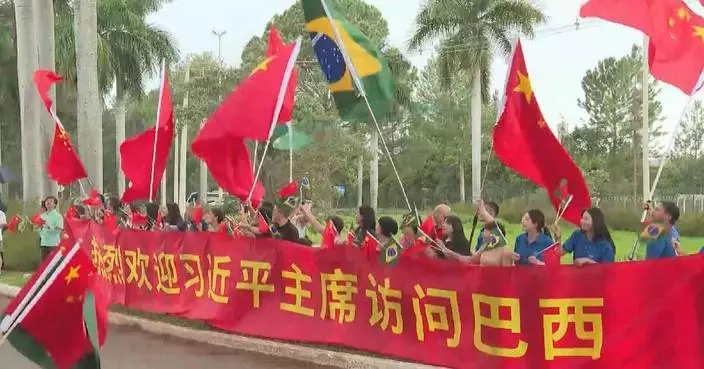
263	65
541	123
524	86
70	299
682	13
698	32
72	274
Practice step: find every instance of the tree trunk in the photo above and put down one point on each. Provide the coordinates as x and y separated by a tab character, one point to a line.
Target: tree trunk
120	112
43	11
89	111
29	102
374	170
476	135
182	169
177	158
360	181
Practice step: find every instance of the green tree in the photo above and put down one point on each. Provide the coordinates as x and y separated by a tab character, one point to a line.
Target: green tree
129	49
469	31
690	140
612	100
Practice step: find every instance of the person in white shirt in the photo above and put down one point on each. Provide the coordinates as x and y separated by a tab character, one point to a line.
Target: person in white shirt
3	226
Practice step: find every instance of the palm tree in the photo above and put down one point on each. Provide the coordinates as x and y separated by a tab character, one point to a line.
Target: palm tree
469	30
29	101
89	107
43	11
128	49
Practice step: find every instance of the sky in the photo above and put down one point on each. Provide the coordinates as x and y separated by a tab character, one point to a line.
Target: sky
562	51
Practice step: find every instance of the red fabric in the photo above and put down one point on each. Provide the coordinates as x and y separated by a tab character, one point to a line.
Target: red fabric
63	164
71	213
93	199
350	237
274	46
110	220
249	110
63	338
262	225
637	319
197	214
138	219
431	230
37	220
524	142
329	235
289	190
553	255
676	50
14	223
137	152
417	248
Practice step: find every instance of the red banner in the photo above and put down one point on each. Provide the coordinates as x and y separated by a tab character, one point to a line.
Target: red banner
640	315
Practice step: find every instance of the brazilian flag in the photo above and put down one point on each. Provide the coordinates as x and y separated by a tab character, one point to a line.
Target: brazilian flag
335	40
390	252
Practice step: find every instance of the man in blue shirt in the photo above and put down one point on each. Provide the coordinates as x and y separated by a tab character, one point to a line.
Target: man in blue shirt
666	213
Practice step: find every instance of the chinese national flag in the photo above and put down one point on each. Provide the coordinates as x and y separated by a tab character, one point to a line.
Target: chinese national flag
676	49
274	46
63	165
524	142
139	152
247	113
329	235
60	316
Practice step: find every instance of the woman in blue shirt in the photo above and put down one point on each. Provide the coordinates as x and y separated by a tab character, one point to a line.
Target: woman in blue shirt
592	242
530	245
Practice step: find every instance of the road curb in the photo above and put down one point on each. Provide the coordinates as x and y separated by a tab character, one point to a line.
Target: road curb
311	355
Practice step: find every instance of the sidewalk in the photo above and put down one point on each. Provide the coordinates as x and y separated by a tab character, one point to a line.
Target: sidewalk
312	355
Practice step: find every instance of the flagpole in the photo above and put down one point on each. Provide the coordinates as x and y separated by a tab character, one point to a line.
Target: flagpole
661	165
256	152
277	110
290	152
156	129
360	87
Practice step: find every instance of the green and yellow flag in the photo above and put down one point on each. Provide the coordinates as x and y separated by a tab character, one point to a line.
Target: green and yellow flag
334	41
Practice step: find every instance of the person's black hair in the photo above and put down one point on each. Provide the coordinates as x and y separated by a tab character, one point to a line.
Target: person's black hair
538	218
413	227
56	201
495	224
114	204
388	226
218	213
80	209
601	231
672	210
266	209
457	228
493	206
338	223
152	209
173	214
368	223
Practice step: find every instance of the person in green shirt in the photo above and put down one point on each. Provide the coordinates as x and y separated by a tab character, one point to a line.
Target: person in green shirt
50	232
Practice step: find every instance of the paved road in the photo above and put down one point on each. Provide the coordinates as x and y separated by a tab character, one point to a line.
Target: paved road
128	348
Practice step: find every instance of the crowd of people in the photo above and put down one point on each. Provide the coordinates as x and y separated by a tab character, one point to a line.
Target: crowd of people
440	236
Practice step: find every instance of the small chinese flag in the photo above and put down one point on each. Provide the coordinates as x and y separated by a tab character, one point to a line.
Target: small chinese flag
63	165
93	199
350	237
524	142
138	219
329	235
110	221
14	223
71	213
289	190
197	214
59	319
553	254
262	225
37	220
370	247
433	231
